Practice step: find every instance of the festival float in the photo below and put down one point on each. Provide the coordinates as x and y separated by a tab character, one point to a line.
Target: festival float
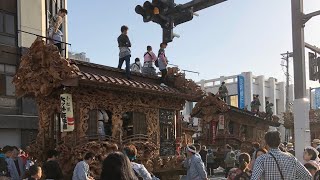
223	124
86	107
314	116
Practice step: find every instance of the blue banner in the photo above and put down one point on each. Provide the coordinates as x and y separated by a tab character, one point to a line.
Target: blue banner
317	98
241	103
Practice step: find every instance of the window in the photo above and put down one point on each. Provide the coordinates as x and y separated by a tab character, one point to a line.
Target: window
1	22
6	76
139	123
10	88
134	123
99	123
7	29
234	100
61	4
9	24
167	132
54	7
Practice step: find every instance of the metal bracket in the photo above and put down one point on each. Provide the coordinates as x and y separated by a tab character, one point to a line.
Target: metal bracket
307	17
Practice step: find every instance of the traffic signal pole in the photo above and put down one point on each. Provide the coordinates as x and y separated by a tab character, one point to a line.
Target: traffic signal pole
168	14
301	103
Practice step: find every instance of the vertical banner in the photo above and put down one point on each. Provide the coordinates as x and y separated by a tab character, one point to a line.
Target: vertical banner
317	98
221	122
66	115
214	128
241	103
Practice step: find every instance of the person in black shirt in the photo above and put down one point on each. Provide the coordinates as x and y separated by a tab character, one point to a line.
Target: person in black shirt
124	45
203	153
51	168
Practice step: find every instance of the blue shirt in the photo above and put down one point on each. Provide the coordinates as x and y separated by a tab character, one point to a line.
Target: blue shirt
195	167
81	171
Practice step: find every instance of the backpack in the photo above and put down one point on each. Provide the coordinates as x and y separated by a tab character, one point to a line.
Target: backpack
4	167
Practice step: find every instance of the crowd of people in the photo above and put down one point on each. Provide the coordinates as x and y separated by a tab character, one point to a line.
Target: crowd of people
16	164
276	161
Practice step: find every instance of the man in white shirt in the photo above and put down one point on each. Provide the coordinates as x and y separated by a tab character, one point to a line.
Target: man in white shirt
136	66
81	171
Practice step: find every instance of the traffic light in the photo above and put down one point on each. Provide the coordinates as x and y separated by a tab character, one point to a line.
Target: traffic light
146	11
313	67
156	11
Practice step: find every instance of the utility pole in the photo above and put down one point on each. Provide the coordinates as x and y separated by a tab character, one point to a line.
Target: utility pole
286	56
301	104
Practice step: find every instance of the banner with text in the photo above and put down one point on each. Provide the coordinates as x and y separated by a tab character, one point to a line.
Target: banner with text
66	115
221	122
241	102
213	128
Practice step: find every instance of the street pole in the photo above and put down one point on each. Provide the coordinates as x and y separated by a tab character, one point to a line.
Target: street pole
310	91
287	83
301	104
285	57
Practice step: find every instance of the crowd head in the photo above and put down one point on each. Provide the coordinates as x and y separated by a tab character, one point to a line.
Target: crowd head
131	151
35	172
117	166
273	139
316	143
244	160
310	153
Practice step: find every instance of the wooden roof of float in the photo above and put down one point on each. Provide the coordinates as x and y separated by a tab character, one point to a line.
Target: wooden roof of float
314	116
211	105
42	70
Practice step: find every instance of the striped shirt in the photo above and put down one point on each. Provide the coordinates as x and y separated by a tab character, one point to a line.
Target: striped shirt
266	168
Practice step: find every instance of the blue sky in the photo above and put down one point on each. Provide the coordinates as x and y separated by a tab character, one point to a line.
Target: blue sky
227	39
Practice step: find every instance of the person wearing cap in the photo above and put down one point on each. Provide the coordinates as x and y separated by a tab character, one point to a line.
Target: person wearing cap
290	149
195	166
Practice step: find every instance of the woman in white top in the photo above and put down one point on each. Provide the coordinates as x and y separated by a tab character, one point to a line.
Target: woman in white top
139	169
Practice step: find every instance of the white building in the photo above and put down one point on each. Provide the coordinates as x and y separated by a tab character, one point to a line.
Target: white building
78	56
268	90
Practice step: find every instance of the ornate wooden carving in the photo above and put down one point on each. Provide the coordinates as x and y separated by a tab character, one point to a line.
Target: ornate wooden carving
208	107
42	70
177	80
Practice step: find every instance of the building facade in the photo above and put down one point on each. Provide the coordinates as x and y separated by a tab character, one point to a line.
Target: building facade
19	21
78	56
268	90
